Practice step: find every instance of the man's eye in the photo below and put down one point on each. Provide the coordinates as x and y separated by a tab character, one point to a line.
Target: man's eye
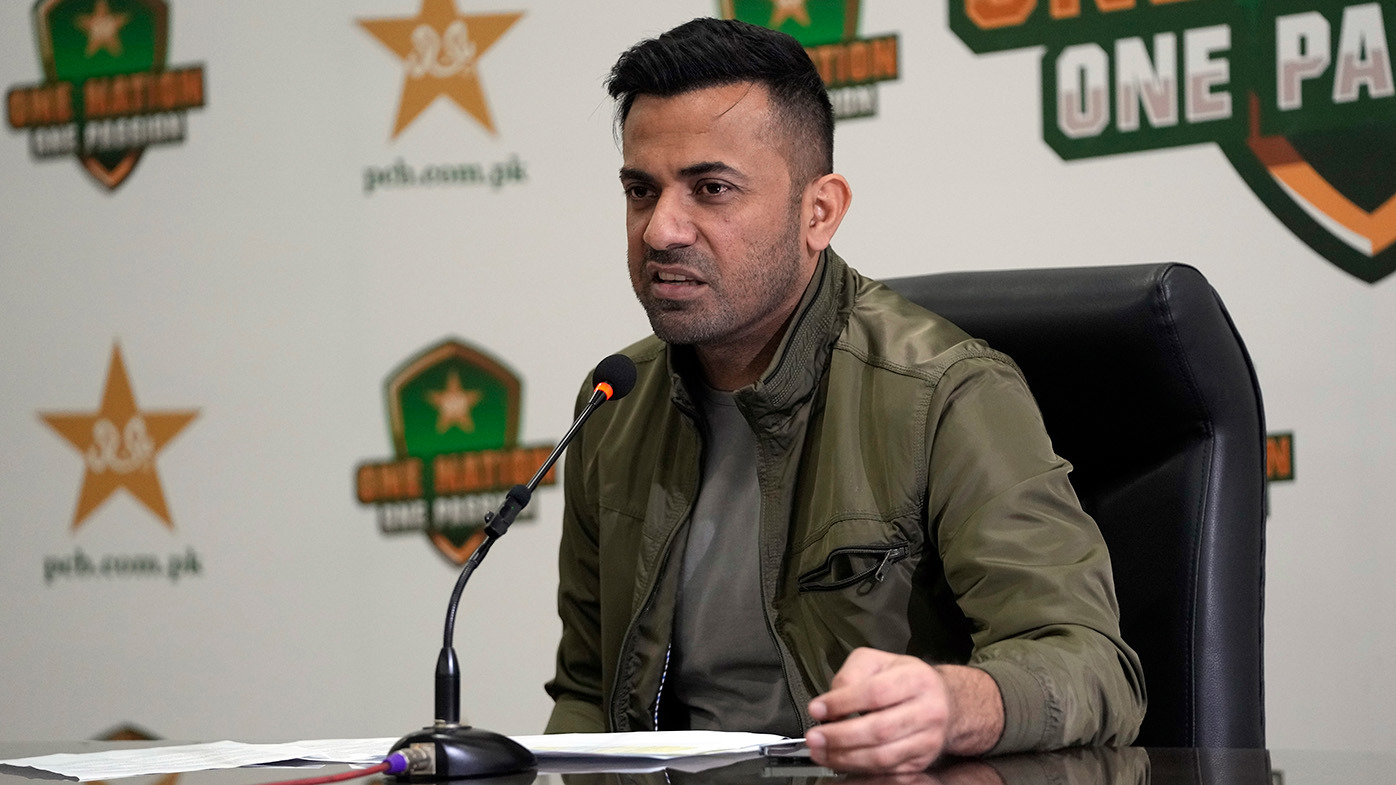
713	189
637	192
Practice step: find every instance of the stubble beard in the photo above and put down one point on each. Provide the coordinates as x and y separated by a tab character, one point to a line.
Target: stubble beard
774	272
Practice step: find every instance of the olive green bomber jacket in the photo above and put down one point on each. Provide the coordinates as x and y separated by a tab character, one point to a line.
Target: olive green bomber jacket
911	502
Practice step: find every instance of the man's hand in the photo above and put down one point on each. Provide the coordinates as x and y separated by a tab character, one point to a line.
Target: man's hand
894	713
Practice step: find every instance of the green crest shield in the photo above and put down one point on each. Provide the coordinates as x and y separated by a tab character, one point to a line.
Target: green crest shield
849	65
452	398
811	22
1299	95
1336	190
454	411
80	40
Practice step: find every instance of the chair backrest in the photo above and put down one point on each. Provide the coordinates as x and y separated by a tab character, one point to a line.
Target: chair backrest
1147	389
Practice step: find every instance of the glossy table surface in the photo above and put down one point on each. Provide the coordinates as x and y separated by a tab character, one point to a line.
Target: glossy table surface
1124	766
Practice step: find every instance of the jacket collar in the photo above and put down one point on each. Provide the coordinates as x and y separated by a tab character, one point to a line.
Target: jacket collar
802	356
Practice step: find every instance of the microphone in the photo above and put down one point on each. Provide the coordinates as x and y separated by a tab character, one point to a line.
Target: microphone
447	750
614	377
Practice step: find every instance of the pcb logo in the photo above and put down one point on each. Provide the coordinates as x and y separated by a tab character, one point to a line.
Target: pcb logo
1299	95
454	416
107	93
850	66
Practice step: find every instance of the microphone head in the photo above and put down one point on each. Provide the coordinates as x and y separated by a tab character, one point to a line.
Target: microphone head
616	372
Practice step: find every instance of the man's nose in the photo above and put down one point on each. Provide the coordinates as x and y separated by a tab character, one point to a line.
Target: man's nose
669	225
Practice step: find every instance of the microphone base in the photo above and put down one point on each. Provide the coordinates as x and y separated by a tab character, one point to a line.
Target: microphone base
460	752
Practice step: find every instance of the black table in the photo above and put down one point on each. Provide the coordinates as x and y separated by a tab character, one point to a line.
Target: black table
1124	766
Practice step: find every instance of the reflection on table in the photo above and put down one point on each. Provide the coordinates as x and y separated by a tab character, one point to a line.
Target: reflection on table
1094	766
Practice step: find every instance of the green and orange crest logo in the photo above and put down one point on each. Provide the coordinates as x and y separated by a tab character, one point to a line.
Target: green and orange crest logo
1298	94
828	29
454	415
107	93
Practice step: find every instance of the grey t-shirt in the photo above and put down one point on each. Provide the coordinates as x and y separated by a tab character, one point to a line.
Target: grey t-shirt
725	667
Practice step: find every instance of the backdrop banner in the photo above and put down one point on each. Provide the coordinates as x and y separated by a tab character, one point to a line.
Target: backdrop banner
292	292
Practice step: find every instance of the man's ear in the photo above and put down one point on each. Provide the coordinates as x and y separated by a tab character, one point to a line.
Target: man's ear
826	201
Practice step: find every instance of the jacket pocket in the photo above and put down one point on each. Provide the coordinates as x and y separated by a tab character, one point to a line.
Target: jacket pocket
851	565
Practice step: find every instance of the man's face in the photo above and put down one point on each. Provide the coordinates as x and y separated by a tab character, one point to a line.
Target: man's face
715	249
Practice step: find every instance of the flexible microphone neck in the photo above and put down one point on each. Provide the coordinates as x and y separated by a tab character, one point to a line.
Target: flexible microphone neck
614	378
447	750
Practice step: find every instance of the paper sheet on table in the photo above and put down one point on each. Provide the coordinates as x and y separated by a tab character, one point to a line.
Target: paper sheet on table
353	751
113	764
610	765
660	745
573	747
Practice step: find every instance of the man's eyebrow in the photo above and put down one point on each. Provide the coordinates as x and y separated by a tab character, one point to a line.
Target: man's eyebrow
707	167
690	171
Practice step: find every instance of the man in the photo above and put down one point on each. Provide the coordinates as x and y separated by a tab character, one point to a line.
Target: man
822	511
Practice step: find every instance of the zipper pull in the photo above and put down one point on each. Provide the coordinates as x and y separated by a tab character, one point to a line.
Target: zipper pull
886	560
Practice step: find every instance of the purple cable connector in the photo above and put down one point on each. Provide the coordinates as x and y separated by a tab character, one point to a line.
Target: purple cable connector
397	763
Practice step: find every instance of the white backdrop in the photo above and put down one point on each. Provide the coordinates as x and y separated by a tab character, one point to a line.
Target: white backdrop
246	273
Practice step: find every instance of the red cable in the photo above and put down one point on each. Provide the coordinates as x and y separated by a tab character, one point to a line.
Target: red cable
342	776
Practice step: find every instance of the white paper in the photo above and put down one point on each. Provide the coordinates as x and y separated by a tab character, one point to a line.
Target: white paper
360	751
660	745
114	764
549	764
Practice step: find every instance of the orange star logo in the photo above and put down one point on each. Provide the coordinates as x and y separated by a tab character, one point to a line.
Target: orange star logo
789	9
440	49
118	443
103	29
454	405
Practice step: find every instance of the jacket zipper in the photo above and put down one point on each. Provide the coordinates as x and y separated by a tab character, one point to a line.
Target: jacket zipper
669	650
663	677
781	652
629	642
617	688
784	668
892	555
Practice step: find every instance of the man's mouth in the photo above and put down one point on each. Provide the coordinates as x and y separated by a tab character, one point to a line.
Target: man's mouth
674	285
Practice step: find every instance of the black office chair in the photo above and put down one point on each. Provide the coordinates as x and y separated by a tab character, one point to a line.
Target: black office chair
1147	389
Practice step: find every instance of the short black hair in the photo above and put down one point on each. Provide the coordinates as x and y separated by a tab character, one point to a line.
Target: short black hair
710	52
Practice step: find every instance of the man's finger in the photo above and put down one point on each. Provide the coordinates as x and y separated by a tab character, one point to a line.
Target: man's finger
910	753
884	688
879	727
880	692
862	663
